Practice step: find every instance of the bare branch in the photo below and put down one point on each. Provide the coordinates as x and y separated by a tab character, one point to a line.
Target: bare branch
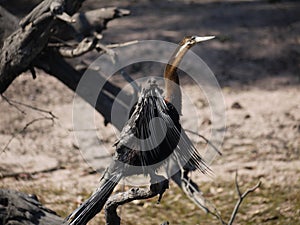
121	199
24	129
206	140
218	216
191	190
86	45
108	51
22	46
93	22
125	197
14	103
21	49
214	212
138	193
237	186
241	197
122	44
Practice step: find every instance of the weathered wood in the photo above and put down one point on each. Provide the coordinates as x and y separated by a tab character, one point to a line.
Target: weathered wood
88	23
27	48
17	208
22	47
122	198
116	200
26	43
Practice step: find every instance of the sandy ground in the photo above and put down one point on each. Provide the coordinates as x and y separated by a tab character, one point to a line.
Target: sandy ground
255	58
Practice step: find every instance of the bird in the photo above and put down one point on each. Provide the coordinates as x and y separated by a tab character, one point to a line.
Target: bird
151	136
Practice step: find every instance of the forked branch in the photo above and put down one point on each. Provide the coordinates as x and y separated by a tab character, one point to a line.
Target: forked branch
17	105
241	197
143	193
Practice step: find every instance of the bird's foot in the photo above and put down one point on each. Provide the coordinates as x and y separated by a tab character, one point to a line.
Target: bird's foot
160	188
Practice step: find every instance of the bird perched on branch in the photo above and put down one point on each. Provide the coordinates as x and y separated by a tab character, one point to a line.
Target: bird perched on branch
152	136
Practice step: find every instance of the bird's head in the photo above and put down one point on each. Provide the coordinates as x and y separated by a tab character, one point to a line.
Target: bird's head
189	41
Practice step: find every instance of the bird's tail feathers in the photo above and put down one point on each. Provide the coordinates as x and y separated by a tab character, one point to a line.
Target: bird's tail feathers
88	209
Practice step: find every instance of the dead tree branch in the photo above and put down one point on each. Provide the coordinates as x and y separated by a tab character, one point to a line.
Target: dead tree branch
14	103
20	208
26	43
28	47
122	198
241	197
93	22
86	45
206	140
216	213
23	47
114	201
24	129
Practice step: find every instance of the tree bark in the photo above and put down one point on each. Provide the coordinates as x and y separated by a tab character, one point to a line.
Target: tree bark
17	208
27	47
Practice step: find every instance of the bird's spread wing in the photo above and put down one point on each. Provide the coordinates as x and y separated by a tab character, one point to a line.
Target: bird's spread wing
153	133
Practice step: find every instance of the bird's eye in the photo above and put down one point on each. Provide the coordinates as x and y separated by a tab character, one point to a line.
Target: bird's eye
193	38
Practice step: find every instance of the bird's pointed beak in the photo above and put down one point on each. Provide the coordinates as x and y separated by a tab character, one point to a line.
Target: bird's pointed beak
206	38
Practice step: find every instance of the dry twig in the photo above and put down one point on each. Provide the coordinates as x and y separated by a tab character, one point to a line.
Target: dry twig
217	215
24	129
14	103
86	45
241	197
206	140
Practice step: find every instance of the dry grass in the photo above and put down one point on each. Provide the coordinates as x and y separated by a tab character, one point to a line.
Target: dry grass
270	204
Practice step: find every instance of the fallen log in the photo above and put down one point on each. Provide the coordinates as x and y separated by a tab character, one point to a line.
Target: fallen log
17	208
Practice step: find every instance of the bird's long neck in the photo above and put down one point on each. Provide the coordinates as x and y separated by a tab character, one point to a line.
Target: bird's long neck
172	85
